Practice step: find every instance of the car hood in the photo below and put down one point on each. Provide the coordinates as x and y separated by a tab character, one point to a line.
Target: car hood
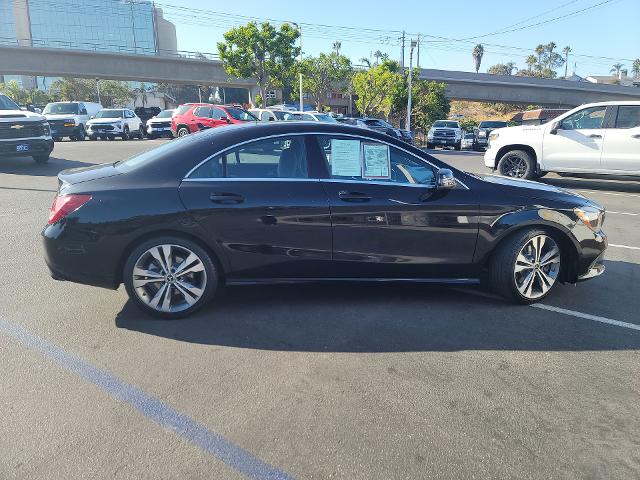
59	116
534	190
104	120
85	174
21	115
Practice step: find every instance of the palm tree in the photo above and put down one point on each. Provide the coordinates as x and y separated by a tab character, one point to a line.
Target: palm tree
378	55
540	49
635	69
566	50
478	52
530	61
616	69
336	47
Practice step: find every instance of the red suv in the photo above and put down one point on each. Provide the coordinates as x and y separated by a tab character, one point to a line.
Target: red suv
193	117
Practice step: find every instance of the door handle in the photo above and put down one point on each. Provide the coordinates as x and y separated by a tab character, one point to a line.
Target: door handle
226	198
595	135
353	196
637	135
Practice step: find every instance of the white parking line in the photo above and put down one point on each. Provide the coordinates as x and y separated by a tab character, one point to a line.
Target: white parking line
623	246
623	213
587	316
609	193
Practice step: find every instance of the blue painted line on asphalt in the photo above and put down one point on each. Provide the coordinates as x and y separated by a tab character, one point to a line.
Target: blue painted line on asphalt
209	441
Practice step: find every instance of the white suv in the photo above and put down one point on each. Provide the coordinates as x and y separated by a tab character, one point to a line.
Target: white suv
115	122
600	138
445	133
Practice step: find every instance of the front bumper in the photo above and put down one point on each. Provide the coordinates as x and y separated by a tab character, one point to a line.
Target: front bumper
100	131
34	146
60	131
159	130
444	142
490	157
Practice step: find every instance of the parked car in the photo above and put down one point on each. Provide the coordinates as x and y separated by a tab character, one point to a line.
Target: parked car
467	140
294	201
597	138
481	133
372	124
315	117
110	123
160	125
193	117
146	113
271	115
445	133
23	133
69	119
407	136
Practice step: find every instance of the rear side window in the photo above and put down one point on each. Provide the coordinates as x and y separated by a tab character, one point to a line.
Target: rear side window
282	157
182	109
202	112
628	117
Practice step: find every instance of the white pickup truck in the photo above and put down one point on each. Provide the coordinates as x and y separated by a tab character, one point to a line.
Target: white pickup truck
599	138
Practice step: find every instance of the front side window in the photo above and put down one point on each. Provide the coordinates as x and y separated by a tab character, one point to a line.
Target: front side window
282	157
628	117
202	112
218	113
240	114
349	158
588	118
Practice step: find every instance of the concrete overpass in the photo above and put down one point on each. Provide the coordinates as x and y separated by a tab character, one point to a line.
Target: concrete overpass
204	71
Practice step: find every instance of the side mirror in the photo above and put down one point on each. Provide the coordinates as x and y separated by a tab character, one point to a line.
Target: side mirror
271	119
224	119
445	179
555	126
92	116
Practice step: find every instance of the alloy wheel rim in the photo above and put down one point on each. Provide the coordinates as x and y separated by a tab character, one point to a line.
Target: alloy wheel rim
513	166
537	267
182	132
169	278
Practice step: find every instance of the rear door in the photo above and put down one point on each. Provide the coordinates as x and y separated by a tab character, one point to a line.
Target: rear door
261	205
389	219
577	144
621	150
201	119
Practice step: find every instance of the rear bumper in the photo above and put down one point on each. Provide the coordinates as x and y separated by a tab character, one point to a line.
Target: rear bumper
35	146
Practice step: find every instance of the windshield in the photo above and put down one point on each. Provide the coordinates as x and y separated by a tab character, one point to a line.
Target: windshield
493	124
110	114
7	104
61	108
322	117
239	114
165	114
445	124
283	115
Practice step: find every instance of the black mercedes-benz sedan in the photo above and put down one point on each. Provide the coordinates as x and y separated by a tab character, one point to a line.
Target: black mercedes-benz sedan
299	202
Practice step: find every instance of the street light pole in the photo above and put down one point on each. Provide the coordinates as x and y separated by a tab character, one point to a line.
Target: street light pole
98	89
413	45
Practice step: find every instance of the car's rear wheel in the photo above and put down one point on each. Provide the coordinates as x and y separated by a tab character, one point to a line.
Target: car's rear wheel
170	277
141	132
517	164
182	132
526	267
430	146
125	133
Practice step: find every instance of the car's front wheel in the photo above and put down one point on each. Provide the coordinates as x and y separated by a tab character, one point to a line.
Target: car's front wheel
41	158
125	133
182	132
170	277
526	267
517	164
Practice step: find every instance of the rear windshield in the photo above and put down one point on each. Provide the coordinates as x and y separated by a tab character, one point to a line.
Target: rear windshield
108	113
149	156
493	124
7	104
445	124
61	108
239	114
325	118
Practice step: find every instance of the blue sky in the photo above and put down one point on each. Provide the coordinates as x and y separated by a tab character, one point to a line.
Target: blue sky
608	30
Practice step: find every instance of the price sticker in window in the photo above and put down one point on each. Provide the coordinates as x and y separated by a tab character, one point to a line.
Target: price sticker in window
376	161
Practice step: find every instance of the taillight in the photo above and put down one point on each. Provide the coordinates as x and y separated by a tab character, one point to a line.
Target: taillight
63	205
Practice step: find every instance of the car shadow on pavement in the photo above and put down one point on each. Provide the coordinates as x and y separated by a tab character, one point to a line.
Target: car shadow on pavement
26	166
379	318
609	184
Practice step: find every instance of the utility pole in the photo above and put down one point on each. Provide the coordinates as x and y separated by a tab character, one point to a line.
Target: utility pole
402	50
301	101
418	59
98	89
413	45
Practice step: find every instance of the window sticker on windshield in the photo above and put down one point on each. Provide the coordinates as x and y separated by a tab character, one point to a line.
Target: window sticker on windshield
377	163
345	158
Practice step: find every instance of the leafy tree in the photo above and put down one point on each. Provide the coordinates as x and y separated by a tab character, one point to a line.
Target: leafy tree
478	52
616	69
336	47
324	74
566	51
502	68
374	88
531	60
468	124
141	91
115	94
635	68
14	91
73	89
260	52
430	103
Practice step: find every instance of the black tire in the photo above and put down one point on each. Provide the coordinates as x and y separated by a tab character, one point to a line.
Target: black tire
458	146
57	139
81	135
141	132
41	159
430	146
152	136
503	263
517	164
93	137
110	137
210	287
182	132
125	133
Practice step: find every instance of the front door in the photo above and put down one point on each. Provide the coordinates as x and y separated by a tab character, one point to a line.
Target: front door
577	143
621	151
258	202
389	219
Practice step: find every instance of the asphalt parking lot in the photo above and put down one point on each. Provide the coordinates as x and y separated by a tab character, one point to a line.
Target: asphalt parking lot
317	381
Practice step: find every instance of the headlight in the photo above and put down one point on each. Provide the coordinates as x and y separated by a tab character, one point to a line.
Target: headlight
46	129
482	134
592	217
430	134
